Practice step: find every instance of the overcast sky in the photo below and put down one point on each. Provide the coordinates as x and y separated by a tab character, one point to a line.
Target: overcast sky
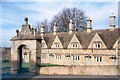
13	14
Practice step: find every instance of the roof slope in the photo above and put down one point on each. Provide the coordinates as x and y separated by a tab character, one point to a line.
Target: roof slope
108	37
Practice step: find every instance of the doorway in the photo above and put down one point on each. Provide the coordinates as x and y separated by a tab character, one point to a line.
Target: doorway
23	59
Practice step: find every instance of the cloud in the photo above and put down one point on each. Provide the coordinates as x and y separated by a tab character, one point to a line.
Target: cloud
100	14
14	14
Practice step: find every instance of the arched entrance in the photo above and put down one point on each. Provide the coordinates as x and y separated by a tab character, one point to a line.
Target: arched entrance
26	45
23	58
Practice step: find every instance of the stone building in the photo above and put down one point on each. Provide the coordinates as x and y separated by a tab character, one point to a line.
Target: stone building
90	47
5	54
82	48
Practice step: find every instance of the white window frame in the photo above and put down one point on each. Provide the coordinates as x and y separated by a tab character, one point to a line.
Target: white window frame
58	57
57	45
75	45
99	59
97	45
76	57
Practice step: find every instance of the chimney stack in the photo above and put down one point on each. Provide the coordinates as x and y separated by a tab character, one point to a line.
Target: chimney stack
42	30
17	31
89	25
55	28
26	20
112	22
71	27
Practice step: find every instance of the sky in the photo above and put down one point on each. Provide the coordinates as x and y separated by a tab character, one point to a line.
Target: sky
13	14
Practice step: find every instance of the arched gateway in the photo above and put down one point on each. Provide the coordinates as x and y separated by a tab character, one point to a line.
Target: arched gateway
27	40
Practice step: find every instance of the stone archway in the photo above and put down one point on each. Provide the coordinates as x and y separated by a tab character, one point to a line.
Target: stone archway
26	37
20	51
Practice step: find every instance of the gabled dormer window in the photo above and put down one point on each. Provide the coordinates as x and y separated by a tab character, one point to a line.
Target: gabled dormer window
57	45
97	44
75	45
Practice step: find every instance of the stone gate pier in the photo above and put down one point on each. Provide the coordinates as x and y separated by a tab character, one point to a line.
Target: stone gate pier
28	39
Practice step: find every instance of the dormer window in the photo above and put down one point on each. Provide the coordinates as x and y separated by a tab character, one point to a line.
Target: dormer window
75	45
97	44
57	45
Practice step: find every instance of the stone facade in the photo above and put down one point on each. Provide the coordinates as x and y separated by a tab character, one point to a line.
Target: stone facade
5	54
25	41
90	47
80	70
83	48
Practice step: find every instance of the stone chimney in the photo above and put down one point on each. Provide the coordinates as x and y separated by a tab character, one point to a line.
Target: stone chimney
26	20
112	22
71	27
42	30
89	26
17	31
55	28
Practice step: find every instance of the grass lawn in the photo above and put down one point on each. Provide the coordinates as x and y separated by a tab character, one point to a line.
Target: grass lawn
26	65
6	65
46	64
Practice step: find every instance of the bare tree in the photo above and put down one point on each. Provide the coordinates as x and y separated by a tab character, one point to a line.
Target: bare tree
45	23
63	18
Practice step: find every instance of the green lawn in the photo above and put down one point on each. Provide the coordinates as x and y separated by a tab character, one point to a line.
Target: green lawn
46	64
26	65
6	65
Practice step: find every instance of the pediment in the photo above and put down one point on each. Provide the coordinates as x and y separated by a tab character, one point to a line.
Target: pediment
97	39
57	41
74	40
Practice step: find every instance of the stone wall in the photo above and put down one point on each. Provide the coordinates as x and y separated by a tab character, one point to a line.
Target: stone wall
80	70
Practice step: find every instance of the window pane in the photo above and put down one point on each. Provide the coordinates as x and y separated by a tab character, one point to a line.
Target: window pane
97	59
78	58
100	59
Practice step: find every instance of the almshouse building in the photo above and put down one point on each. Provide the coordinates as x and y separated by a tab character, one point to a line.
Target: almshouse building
82	48
90	47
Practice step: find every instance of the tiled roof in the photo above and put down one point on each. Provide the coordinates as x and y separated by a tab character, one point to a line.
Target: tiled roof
108	37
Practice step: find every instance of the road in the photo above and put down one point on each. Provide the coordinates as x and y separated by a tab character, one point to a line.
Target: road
29	76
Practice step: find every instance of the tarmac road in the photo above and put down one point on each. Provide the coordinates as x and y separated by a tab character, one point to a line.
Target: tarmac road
29	76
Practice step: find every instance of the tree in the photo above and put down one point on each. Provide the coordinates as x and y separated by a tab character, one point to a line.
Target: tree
63	18
45	23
